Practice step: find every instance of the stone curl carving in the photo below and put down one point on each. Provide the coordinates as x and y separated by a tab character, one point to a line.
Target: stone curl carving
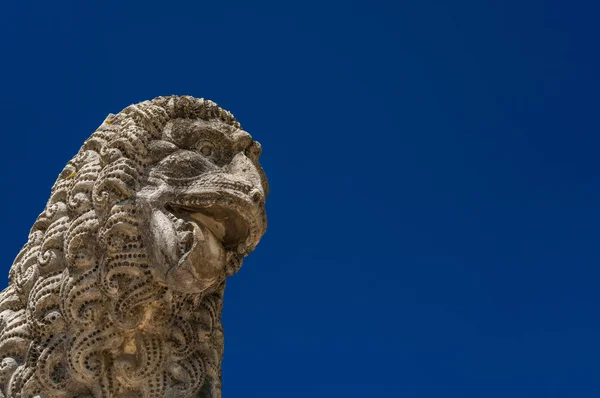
118	291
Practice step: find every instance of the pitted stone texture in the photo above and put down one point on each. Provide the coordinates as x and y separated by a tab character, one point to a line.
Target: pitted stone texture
118	291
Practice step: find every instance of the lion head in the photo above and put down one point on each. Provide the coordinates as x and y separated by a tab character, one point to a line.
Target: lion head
118	291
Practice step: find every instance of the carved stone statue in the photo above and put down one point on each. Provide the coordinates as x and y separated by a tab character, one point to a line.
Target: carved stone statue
118	291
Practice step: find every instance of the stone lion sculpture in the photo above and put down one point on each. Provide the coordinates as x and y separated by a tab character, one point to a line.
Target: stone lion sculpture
119	289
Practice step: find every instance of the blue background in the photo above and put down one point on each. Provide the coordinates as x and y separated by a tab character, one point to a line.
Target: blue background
434	171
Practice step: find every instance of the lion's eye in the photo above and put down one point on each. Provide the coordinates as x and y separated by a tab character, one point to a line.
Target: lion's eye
206	148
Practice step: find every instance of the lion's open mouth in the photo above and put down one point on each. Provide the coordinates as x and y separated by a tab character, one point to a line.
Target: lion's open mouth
231	219
227	225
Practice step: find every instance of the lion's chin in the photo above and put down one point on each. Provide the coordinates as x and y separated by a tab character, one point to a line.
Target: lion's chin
203	265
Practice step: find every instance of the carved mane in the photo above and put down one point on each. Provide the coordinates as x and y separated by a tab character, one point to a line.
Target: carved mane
84	314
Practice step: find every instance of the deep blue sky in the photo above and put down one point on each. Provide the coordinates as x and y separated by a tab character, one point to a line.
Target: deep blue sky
435	206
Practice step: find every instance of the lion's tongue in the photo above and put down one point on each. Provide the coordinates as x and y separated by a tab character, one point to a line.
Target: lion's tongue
206	257
215	227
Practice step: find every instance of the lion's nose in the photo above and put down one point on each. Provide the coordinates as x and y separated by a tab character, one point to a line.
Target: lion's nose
242	167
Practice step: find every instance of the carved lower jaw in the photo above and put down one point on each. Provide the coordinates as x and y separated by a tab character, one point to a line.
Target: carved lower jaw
224	228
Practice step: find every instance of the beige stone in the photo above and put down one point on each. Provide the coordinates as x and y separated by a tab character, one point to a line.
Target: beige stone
118	291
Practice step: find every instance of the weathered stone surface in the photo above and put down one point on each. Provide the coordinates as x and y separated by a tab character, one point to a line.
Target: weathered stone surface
118	292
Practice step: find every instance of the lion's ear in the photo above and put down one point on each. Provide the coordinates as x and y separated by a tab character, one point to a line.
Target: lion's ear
158	149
